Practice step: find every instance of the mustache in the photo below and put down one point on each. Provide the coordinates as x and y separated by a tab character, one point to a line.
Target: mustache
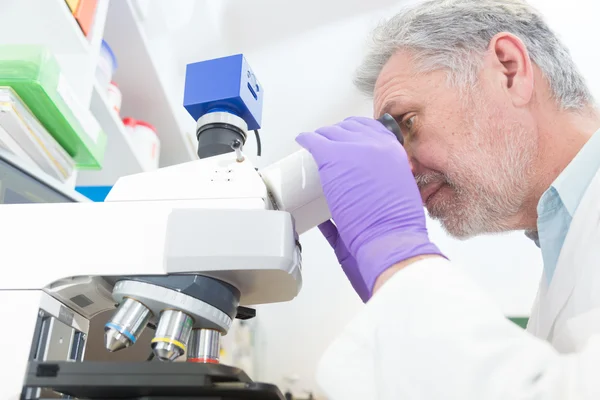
425	179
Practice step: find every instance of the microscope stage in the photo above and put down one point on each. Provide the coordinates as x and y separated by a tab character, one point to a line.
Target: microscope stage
151	380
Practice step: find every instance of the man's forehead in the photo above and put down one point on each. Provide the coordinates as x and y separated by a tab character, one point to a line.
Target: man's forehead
393	96
397	77
400	82
400	66
391	102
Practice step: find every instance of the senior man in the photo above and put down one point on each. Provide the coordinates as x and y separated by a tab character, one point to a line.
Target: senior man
499	134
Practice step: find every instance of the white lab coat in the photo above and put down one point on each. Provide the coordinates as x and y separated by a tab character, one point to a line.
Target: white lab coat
431	333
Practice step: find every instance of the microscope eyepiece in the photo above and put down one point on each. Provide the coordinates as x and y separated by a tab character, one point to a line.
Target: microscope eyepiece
390	123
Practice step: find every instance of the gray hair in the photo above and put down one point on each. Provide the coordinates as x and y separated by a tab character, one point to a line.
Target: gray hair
454	35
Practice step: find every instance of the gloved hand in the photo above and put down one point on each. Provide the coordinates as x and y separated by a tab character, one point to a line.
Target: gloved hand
346	260
372	196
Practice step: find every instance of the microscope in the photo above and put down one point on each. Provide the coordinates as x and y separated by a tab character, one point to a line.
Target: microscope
182	250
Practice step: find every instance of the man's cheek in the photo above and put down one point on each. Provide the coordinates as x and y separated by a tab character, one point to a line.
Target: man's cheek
431	154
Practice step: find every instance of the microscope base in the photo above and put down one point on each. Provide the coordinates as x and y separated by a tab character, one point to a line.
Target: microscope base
145	381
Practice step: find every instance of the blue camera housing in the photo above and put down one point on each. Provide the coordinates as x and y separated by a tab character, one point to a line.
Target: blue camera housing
224	84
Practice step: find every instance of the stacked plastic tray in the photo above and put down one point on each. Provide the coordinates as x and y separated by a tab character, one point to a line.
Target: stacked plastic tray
40	118
22	134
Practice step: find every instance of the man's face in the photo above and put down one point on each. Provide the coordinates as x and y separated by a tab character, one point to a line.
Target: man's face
470	150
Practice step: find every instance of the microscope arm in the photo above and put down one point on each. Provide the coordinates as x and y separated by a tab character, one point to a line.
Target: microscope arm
129	234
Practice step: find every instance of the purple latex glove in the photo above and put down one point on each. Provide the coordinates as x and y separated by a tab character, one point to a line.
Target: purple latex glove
371	193
346	260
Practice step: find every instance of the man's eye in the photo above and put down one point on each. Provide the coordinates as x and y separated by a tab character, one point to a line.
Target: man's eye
409	122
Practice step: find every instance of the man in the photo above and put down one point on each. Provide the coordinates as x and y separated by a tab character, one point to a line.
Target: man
499	134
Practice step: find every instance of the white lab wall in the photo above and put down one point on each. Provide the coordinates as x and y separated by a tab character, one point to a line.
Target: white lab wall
304	53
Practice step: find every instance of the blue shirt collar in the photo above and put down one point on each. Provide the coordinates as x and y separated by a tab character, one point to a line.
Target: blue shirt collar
558	204
573	181
568	188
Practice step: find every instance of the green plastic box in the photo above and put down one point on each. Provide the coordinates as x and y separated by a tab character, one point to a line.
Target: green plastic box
33	72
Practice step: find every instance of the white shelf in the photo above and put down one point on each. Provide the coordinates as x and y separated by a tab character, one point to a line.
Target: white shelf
50	23
120	158
144	94
47	22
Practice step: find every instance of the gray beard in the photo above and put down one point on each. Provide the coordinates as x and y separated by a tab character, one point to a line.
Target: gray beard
494	189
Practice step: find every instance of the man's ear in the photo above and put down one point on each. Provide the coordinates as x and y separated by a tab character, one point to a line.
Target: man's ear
510	58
